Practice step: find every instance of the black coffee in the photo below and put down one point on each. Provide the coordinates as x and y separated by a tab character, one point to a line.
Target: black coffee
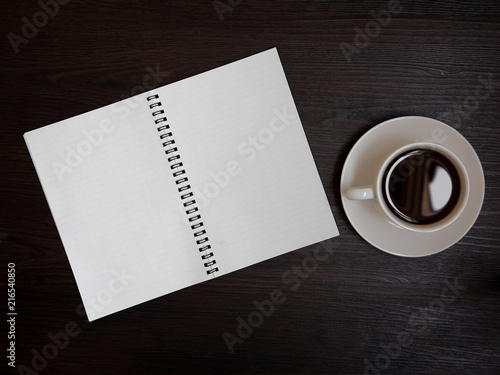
421	186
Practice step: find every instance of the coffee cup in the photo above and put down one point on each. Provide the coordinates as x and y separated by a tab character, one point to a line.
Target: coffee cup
421	187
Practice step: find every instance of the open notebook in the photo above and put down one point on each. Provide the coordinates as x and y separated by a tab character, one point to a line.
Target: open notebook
181	184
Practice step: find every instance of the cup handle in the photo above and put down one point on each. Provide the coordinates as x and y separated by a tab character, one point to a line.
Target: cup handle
360	193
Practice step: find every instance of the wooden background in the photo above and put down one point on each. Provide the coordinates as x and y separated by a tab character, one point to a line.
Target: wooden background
426	61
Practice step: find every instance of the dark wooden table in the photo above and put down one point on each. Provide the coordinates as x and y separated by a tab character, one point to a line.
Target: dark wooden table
361	310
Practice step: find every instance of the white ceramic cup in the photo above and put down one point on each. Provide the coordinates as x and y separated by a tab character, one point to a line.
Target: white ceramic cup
380	185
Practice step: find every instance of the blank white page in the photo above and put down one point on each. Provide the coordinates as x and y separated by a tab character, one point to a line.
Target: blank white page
115	205
245	151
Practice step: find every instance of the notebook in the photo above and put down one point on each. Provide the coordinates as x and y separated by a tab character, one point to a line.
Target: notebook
181	184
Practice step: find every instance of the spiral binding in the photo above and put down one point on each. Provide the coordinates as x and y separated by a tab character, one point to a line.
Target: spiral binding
182	182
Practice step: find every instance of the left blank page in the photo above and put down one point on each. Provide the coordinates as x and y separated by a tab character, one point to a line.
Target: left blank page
115	205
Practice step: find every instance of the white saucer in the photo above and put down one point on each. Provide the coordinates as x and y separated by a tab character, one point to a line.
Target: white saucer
360	169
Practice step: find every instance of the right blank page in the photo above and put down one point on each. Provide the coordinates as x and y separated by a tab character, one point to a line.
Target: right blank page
248	160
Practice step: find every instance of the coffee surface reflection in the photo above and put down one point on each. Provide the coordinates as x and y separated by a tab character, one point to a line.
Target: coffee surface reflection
421	186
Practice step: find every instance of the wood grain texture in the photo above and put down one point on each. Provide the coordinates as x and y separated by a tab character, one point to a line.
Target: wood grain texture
427	61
